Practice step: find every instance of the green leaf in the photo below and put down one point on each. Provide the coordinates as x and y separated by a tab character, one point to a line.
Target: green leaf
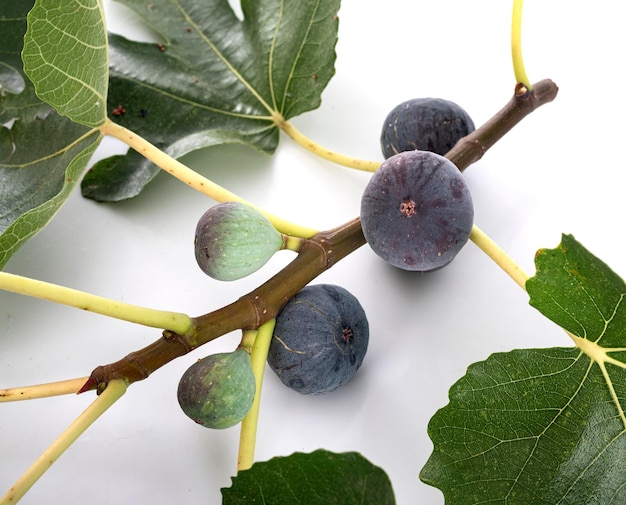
317	478
110	177
215	78
580	293
530	426
42	154
544	426
65	55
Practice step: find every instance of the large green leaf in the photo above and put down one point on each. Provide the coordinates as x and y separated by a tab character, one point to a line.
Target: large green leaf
42	153
317	478
544	426
214	79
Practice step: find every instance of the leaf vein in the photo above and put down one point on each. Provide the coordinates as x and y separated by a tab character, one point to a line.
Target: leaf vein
186	101
550	424
297	59
65	149
219	54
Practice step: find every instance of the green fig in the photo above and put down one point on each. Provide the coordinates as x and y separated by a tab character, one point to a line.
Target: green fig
234	240
217	391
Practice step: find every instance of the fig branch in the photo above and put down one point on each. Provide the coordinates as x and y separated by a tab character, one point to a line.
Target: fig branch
470	149
317	254
249	312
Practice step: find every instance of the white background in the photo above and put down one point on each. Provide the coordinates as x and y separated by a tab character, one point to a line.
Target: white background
556	172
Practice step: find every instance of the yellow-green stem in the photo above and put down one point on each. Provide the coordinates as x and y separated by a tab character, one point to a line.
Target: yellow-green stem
292	243
67	387
193	178
516	45
173	321
327	154
247	439
247	340
114	390
502	259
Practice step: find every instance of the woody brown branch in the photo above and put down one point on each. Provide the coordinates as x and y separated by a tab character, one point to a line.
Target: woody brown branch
318	254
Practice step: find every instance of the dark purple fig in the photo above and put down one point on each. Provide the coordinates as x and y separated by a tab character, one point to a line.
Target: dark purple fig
426	124
417	211
320	339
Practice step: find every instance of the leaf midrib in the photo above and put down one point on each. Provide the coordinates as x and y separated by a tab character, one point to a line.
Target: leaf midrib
186	101
295	61
224	60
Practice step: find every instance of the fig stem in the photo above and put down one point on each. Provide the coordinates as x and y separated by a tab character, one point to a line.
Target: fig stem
327	154
113	392
66	387
193	179
247	437
292	243
516	45
247	340
173	321
501	258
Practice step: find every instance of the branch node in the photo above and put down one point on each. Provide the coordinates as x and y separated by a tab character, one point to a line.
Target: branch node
521	91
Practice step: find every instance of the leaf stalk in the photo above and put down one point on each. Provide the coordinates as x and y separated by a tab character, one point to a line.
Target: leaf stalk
327	154
193	179
113	392
173	321
516	45
501	258
59	388
247	438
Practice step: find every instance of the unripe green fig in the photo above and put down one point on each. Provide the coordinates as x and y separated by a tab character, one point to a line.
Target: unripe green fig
217	391
234	240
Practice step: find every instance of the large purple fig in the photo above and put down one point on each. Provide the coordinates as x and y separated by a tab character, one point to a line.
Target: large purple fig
417	211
